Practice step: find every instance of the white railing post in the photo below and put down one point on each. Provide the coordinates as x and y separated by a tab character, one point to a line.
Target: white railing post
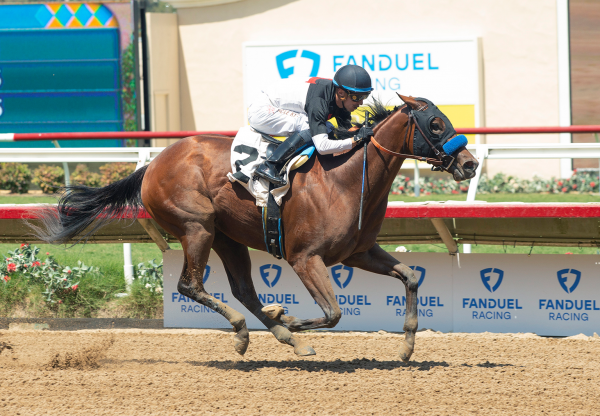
481	153
128	265
416	176
143	157
65	166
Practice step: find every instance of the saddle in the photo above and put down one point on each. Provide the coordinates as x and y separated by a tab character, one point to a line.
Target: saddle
249	148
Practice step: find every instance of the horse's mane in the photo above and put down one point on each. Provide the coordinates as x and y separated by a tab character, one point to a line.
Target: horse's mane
378	112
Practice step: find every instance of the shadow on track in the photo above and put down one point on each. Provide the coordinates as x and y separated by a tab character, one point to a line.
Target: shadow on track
337	366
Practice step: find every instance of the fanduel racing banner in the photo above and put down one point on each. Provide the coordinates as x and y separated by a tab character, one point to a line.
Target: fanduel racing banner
445	72
545	294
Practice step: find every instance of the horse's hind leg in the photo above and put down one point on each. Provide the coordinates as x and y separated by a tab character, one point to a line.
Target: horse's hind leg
196	246
237	264
377	260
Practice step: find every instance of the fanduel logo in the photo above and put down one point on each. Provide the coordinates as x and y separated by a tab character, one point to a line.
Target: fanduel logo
486	278
419	272
206	274
336	273
270	277
563	279
287	71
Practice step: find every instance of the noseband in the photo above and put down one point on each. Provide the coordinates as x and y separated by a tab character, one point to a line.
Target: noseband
441	162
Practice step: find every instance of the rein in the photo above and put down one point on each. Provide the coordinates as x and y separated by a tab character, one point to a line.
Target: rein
440	161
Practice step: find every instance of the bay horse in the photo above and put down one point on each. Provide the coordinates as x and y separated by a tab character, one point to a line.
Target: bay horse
186	191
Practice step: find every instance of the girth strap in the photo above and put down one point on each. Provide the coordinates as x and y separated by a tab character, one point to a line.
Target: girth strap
272	227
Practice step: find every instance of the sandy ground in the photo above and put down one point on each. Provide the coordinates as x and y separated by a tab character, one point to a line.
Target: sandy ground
149	372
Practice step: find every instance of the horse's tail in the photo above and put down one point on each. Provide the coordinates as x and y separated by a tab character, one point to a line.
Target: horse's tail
79	206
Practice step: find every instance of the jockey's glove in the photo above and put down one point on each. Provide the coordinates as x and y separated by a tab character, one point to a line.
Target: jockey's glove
363	134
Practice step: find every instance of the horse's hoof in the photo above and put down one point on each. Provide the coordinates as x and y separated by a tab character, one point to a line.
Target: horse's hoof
405	351
241	340
273	311
304	350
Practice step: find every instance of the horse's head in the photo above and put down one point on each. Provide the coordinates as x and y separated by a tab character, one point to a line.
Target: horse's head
434	133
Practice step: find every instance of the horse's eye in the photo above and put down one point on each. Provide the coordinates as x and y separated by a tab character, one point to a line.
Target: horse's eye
437	126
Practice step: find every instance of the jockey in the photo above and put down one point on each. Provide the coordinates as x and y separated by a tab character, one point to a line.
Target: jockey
300	110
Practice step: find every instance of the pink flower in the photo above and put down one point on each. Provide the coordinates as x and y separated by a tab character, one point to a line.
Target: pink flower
60	301
6	278
69	271
10	258
564	189
47	253
26	266
43	264
568	252
12	267
74	287
64	279
574	186
592	184
36	263
23	245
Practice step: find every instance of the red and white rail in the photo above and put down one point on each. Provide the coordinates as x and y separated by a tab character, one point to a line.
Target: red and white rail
540	224
19	137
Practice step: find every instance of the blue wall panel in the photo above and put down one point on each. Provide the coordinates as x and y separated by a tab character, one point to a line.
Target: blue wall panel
58	80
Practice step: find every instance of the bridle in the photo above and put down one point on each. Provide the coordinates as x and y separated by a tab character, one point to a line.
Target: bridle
440	163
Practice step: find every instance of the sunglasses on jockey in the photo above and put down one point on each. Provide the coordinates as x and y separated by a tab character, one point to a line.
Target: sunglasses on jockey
356	97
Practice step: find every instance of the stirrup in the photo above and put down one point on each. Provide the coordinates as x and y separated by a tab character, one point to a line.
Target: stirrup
265	174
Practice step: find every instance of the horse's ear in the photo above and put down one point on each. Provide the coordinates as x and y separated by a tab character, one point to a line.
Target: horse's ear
410	101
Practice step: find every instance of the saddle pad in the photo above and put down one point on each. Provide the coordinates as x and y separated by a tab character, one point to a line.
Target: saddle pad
248	151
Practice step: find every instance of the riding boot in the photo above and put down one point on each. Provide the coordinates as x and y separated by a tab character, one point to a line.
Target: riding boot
270	168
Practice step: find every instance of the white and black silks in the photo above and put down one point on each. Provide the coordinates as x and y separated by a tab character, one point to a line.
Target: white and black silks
424	118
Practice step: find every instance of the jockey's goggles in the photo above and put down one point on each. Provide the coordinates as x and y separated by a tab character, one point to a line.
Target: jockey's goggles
357	97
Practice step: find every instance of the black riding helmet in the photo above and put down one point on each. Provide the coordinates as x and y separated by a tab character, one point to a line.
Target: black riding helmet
353	79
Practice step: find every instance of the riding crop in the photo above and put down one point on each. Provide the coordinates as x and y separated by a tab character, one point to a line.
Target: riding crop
362	191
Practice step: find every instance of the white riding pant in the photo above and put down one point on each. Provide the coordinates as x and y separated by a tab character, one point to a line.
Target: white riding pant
266	118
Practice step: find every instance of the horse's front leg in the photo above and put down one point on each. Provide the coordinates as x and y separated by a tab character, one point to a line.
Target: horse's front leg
313	274
376	260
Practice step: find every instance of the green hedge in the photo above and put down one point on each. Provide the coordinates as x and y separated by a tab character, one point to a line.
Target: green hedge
17	177
580	182
37	283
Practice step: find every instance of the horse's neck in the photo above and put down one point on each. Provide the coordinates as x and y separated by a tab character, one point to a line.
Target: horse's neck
382	167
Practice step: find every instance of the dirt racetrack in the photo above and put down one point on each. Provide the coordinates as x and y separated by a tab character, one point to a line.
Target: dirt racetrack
147	372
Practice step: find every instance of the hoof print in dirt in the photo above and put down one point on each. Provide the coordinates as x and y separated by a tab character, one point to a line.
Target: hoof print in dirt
5	346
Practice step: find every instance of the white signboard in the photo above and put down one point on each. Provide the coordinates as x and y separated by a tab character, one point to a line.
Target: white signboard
445	72
368	301
545	294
